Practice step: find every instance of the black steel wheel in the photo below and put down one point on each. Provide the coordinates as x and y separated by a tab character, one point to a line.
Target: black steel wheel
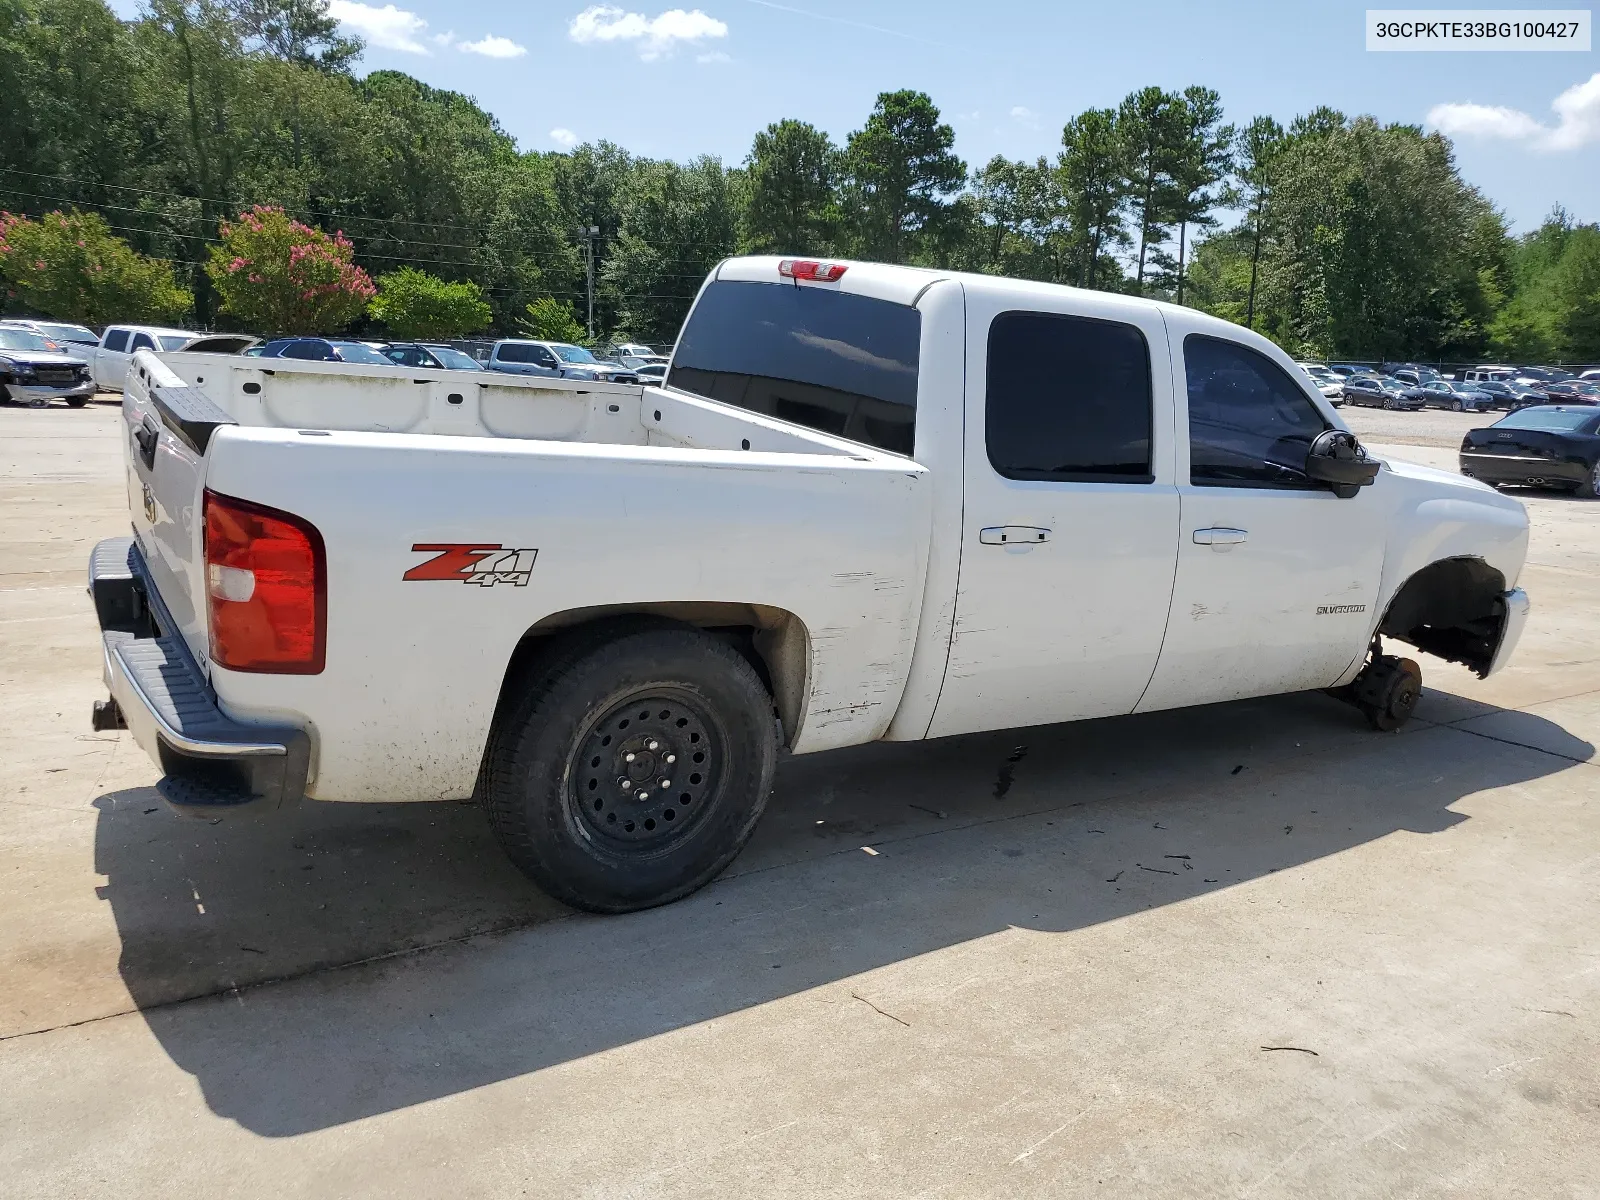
631	765
642	776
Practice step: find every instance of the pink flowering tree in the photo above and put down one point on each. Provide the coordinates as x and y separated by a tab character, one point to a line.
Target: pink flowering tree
278	276
72	267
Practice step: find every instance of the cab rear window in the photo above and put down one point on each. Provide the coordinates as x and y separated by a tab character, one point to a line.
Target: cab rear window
832	361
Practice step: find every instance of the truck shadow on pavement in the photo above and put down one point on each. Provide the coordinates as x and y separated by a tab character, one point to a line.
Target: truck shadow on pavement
1051	829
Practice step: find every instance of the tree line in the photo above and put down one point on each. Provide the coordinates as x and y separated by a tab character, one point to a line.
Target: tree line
1337	236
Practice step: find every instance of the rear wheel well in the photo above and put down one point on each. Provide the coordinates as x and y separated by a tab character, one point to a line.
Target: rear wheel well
773	640
1453	609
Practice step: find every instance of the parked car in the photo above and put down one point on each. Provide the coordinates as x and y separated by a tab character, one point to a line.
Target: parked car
763	553
652	373
312	349
1591	376
520	356
119	343
1414	376
64	334
1508	395
33	373
221	343
1573	391
1368	391
1488	374
1458	397
1545	446
427	354
1330	385
1348	369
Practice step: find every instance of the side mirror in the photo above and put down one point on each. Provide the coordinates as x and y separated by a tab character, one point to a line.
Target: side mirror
1337	459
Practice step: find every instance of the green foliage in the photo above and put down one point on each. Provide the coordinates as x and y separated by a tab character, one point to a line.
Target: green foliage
1356	237
1554	309
677	222
900	172
790	177
551	320
280	276
1094	189
417	306
70	266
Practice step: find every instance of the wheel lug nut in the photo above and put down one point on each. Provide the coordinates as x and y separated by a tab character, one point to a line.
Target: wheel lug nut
644	795
627	785
666	783
628	757
655	745
671	758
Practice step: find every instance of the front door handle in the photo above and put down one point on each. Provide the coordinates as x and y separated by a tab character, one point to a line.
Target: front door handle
1220	537
1013	535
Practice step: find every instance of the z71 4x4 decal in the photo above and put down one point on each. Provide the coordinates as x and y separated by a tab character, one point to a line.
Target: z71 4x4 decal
480	564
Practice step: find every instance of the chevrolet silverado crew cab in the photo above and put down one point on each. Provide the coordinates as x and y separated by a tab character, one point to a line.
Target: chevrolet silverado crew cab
854	511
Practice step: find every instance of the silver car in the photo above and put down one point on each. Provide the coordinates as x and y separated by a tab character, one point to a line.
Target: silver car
518	356
32	373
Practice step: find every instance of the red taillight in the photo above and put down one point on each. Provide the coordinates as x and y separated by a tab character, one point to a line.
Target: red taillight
805	268
266	587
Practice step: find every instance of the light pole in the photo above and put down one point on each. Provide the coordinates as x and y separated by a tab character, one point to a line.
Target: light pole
588	234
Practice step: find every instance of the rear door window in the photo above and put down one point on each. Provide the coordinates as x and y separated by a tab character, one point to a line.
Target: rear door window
1249	424
117	340
832	361
1087	418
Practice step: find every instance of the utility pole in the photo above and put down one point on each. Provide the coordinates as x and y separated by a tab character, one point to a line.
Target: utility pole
588	233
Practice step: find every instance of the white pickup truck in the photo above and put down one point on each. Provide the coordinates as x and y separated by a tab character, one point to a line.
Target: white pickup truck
109	360
857	510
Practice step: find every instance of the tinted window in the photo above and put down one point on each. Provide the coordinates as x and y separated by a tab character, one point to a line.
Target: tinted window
1086	418
117	339
522	352
831	361
357	352
1249	425
141	341
1552	419
312	351
455	359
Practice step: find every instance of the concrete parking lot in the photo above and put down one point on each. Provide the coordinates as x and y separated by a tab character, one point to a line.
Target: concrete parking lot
1247	950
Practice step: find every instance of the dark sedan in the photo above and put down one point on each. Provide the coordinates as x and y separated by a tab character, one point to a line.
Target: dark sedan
310	349
1571	391
1509	396
427	354
1458	397
1367	391
1554	445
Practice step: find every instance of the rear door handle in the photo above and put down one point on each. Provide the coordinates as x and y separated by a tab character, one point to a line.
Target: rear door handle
1220	537
1013	535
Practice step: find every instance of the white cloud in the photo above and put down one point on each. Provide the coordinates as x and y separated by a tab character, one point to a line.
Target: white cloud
1024	115
714	56
564	138
388	28
494	46
447	39
656	36
1577	120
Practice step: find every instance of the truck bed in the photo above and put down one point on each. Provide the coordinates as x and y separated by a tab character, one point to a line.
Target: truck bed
613	496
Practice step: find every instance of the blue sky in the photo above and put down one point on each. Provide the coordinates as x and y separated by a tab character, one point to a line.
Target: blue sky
671	81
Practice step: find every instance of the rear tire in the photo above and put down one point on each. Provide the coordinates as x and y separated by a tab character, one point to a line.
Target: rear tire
580	791
1455	406
1590	487
77	402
